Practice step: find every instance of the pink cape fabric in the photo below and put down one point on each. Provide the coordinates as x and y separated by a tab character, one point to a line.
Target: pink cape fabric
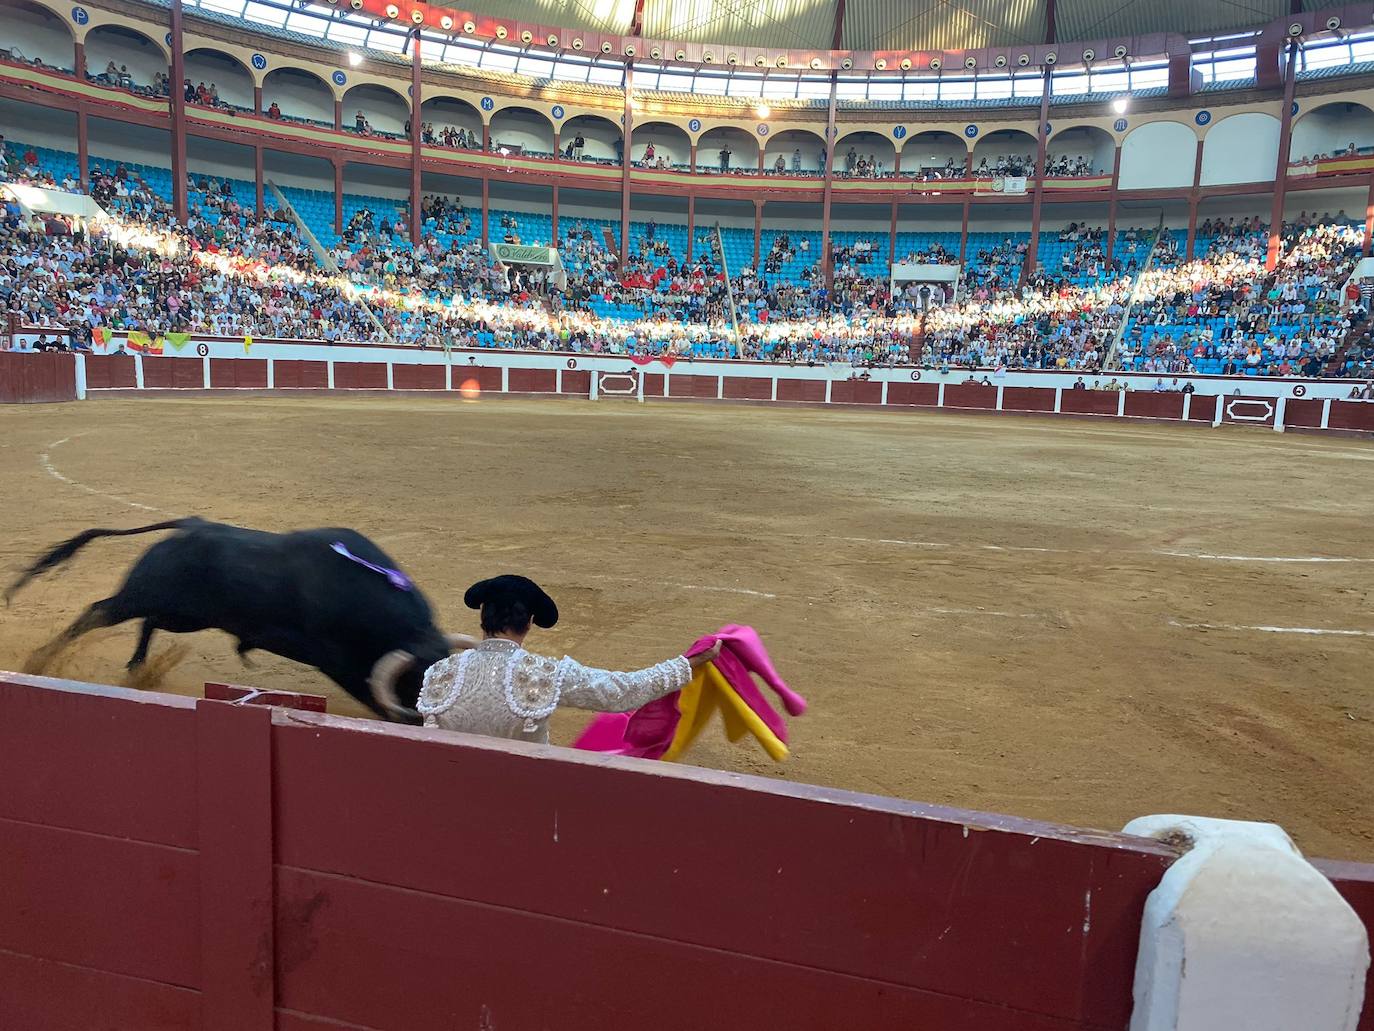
648	731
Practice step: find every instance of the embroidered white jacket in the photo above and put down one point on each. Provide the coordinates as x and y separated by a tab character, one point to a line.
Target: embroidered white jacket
501	690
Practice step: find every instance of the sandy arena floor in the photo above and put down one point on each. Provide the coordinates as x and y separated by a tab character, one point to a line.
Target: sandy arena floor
1019	615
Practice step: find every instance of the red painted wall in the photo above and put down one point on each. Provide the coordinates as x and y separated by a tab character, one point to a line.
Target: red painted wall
744	388
293	374
1352	415
685	385
533	381
1203	408
179	373
417	377
1088	402
104	371
1023	399
239	372
1249	411
801	390
970	395
27	378
1154	406
577	381
232	864
856	392
1303	412
360	376
912	393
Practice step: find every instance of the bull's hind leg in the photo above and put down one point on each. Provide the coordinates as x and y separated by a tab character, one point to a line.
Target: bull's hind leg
102	614
145	637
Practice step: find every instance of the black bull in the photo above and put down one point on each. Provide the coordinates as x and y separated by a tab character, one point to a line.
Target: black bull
292	594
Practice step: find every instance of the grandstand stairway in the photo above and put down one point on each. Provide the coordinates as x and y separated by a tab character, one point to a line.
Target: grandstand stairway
1110	360
322	255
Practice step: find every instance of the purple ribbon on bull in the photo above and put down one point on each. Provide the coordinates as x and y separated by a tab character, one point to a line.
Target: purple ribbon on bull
394	577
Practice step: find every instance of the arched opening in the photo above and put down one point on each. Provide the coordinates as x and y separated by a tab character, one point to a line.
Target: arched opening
213	164
934	154
219	80
145	153
297	95
727	149
1158	156
1240	149
522	131
449	122
1079	152
802	153
1004	152
123	57
35	36
49	133
589	138
372	110
661	145
380	189
864	155
1338	129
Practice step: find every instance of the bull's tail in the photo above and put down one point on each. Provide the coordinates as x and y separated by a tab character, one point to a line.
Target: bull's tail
68	548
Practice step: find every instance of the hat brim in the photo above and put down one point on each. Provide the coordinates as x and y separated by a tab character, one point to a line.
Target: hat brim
511	587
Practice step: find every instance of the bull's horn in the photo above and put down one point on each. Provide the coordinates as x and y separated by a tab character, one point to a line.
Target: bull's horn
460	642
382	680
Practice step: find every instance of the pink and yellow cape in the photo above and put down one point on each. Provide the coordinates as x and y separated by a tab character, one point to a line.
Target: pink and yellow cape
665	728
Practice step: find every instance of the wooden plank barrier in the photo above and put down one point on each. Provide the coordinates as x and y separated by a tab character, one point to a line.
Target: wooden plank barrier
173	863
30	378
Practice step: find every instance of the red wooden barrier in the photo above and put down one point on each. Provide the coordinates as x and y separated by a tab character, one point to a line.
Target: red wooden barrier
1089	402
577	381
684	385
1249	411
746	389
361	376
29	378
417	377
970	395
533	381
104	371
244	373
1027	399
176	373
1203	408
288	373
913	393
856	392
1149	405
1352	415
1305	413
801	390
181	864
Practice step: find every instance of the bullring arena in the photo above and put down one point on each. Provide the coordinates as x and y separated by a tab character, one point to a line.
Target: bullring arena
1024	617
956	418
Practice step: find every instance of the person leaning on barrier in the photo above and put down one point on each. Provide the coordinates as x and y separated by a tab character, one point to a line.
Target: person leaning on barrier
497	688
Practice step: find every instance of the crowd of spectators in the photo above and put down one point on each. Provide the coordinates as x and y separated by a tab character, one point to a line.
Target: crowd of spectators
1225	309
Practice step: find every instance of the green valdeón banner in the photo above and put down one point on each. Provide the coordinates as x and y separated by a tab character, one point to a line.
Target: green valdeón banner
522	254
